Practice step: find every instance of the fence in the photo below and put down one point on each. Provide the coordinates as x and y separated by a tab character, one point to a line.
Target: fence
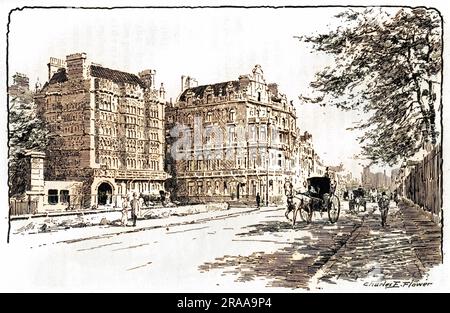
423	185
23	206
56	202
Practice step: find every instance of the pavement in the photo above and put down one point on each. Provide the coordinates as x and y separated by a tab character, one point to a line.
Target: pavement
403	250
22	234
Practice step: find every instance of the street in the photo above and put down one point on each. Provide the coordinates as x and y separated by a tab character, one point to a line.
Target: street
256	250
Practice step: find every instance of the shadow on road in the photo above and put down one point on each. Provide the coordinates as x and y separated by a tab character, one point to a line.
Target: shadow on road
292	266
357	247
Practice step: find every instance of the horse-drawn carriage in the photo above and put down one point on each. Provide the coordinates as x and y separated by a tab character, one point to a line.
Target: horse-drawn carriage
358	200
319	197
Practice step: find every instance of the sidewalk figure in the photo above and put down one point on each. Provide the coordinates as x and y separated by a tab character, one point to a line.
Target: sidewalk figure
125	208
162	195
289	192
383	204
135	208
396	198
258	200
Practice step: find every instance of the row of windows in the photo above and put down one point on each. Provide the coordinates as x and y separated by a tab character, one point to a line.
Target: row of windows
154	113
108	117
107	130
240	163
154	136
72	129
229	115
131	109
134	120
113	162
54	198
153	123
210	188
209	98
134	134
70	117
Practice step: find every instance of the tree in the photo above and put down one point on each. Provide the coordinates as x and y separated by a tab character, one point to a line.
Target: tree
388	65
27	132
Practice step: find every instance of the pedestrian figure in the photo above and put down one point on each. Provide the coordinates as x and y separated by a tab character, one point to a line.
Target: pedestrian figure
125	208
396	198
258	200
383	204
135	208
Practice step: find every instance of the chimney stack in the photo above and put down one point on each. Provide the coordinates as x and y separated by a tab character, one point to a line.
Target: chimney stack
188	82
148	77
77	67
54	65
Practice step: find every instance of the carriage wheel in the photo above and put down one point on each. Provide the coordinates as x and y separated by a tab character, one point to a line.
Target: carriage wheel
306	213
334	207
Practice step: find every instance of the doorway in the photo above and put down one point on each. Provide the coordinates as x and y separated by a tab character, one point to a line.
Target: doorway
104	194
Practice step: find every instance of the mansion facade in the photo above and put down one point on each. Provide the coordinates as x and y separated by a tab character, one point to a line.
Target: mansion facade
106	130
231	141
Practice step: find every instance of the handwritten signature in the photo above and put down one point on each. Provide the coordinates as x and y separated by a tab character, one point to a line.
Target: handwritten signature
397	284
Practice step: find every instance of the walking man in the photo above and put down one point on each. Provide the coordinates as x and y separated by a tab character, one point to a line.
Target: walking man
383	204
135	208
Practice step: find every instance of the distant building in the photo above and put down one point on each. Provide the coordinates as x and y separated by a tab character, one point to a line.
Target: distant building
106	128
375	180
238	140
308	162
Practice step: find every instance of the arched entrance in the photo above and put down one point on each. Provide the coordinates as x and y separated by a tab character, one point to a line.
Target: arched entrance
104	194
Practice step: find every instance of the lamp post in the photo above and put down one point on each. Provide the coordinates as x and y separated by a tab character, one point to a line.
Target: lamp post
268	160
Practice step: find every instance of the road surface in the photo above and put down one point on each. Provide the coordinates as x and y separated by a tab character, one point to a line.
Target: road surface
246	252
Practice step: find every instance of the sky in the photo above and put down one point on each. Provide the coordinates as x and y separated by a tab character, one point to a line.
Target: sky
212	45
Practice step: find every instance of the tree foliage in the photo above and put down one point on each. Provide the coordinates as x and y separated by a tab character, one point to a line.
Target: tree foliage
387	65
27	131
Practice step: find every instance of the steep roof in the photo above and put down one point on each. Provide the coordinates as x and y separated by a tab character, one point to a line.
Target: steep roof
59	77
200	90
116	76
101	72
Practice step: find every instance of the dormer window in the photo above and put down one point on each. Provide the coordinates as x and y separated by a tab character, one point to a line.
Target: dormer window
209	98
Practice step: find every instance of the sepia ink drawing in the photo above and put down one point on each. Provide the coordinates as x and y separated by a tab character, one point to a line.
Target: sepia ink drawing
204	149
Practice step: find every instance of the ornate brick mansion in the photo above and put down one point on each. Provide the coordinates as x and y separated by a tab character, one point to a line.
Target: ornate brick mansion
106	130
231	141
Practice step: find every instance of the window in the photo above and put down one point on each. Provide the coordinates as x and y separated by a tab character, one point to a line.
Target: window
231	134
262	133
252	133
64	196
232	115
259	96
216	189
52	196
209	117
191	188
